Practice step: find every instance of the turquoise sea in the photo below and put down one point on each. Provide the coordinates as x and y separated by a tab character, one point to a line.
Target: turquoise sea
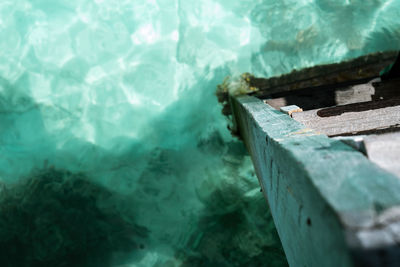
113	148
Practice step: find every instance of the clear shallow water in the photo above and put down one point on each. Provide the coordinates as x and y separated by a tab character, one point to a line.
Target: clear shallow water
123	91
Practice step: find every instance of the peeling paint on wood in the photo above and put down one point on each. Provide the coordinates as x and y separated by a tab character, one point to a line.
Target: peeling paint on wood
290	109
351	119
327	199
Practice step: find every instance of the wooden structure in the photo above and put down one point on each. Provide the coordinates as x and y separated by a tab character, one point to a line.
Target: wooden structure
324	142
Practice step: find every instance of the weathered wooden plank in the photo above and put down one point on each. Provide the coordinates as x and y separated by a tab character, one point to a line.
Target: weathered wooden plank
384	150
331	206
318	86
353	119
355	94
354	71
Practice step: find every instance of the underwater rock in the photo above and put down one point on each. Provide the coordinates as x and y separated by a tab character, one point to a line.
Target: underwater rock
57	218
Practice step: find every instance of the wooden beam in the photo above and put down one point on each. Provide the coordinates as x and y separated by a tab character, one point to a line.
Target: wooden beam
352	119
354	71
330	204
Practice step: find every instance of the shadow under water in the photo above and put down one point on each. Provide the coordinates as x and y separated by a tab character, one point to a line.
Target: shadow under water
57	218
235	226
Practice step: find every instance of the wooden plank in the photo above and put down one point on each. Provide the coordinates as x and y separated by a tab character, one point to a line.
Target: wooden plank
359	118
318	86
355	94
354	71
384	150
331	206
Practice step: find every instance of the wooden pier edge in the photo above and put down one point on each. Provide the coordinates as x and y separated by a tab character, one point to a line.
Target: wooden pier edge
330	204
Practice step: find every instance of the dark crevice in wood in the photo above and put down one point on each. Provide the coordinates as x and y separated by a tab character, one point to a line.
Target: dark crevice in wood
386	89
394	71
331	85
358	107
312	90
388	256
391	129
311	98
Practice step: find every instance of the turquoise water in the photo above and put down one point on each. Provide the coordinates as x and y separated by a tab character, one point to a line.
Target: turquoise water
123	92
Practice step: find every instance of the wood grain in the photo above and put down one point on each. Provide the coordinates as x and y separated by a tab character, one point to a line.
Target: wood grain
354	71
384	150
352	119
